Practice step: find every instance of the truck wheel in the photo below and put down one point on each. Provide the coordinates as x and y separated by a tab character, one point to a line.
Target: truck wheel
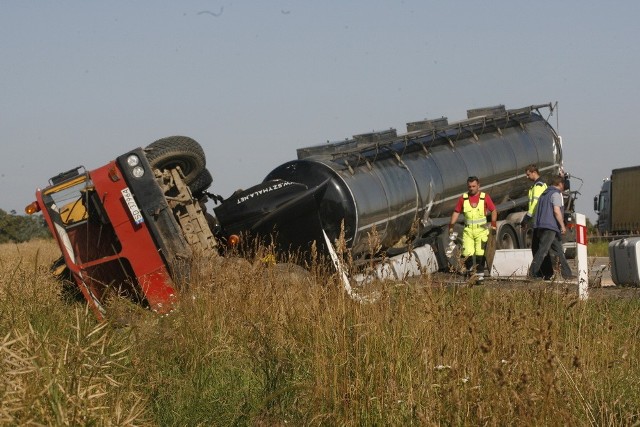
167	153
201	183
527	237
506	238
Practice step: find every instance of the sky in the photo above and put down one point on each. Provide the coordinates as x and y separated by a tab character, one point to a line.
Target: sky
252	81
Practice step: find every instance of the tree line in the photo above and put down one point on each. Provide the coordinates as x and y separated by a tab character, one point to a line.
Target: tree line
21	228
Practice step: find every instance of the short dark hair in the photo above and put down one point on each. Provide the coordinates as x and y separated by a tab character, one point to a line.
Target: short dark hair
556	179
532	168
472	178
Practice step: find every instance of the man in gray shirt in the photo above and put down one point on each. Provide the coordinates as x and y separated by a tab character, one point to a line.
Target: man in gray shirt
549	226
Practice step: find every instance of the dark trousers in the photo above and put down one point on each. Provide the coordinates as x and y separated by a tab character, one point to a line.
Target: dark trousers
546	268
549	244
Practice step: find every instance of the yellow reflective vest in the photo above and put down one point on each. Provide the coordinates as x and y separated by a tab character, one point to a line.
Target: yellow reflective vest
535	192
474	216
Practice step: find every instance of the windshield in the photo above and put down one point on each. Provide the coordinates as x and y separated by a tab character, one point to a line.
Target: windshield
67	202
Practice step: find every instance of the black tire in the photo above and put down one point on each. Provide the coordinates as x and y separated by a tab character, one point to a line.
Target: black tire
506	238
527	237
172	151
201	183
570	252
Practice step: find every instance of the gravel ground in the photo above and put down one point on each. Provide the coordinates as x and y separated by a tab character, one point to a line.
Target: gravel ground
600	283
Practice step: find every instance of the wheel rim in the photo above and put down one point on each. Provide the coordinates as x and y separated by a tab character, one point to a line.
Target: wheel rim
507	239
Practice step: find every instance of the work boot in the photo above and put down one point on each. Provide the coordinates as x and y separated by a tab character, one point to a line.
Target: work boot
469	268
480	269
468	264
538	276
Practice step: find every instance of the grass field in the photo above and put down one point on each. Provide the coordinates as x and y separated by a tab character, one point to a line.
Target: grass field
599	248
252	345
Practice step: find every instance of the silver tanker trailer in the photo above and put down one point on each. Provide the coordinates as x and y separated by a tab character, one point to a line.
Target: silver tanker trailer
404	187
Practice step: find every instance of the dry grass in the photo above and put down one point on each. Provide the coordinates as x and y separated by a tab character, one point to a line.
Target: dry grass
253	345
58	365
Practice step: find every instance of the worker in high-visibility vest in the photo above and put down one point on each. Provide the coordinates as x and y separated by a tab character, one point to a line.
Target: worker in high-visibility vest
535	191
475	205
528	221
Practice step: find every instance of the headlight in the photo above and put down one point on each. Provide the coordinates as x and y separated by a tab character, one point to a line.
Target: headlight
138	171
133	160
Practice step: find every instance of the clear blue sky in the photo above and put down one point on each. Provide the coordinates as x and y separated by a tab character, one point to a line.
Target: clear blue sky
82	82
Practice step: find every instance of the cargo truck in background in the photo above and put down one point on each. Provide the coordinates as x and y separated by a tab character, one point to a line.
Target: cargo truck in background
618	204
135	226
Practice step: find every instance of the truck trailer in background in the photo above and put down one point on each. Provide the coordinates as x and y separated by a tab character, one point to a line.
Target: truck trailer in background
618	203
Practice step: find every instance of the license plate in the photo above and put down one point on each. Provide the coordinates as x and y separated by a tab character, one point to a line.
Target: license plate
132	205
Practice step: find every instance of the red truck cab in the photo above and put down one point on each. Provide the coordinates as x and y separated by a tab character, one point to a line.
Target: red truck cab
117	232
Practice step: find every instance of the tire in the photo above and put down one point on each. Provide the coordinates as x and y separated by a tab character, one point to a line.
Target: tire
182	151
570	251
201	183
527	237
506	238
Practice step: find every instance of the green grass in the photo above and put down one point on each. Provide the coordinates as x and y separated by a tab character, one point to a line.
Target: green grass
249	345
598	248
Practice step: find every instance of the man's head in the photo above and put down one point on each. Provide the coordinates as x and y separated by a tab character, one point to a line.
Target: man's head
558	182
532	172
473	185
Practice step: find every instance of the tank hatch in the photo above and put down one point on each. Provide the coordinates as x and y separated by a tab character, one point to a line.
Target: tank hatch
432	124
376	136
486	111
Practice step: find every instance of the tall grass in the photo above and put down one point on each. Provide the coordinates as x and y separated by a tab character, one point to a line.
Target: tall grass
251	344
599	248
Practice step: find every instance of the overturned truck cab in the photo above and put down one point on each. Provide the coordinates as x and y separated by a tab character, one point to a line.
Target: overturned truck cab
121	228
135	225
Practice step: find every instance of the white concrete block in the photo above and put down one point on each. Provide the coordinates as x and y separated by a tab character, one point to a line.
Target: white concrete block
511	263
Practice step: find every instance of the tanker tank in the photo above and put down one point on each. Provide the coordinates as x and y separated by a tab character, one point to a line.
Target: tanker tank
406	185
